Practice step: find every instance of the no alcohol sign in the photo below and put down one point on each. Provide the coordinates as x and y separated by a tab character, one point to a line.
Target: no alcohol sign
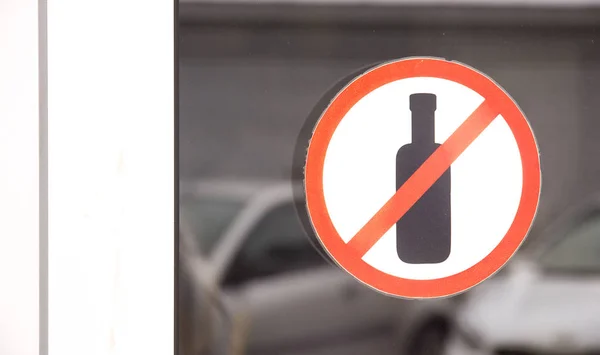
422	177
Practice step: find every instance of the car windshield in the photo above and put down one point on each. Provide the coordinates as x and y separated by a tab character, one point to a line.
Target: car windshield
208	218
578	251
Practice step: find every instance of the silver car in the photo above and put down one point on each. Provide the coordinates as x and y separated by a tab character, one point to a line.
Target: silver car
284	292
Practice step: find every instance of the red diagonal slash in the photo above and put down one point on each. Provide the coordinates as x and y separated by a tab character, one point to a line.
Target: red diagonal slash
425	176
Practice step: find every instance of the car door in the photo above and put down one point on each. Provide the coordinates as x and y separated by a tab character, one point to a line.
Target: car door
294	298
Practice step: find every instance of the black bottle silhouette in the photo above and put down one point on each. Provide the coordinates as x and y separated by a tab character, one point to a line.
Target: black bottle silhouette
423	233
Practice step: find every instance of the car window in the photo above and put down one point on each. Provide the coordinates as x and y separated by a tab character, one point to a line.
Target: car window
577	251
209	219
277	244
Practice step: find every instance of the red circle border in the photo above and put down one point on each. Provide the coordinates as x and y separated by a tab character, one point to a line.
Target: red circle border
335	112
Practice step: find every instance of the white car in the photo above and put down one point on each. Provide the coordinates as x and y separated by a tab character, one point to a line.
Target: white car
290	297
545	301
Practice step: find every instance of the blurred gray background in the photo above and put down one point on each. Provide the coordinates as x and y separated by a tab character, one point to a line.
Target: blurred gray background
250	74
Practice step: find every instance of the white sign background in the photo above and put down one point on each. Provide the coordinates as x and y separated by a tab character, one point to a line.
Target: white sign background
359	174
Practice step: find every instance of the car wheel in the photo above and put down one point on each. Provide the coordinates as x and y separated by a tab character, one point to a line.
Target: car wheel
429	340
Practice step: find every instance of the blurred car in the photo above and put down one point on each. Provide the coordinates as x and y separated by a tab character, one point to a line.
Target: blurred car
205	326
545	301
293	298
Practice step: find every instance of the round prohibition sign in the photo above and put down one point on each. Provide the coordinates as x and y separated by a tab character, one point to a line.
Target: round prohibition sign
496	105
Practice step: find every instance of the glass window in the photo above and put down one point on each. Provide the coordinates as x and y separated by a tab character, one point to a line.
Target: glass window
209	218
278	244
578	251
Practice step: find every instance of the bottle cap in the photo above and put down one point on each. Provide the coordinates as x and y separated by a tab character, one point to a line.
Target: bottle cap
423	102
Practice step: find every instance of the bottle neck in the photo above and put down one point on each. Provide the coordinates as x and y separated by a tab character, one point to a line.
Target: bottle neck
423	126
423	106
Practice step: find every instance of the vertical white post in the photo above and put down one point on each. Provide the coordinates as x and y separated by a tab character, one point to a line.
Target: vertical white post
111	176
19	177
